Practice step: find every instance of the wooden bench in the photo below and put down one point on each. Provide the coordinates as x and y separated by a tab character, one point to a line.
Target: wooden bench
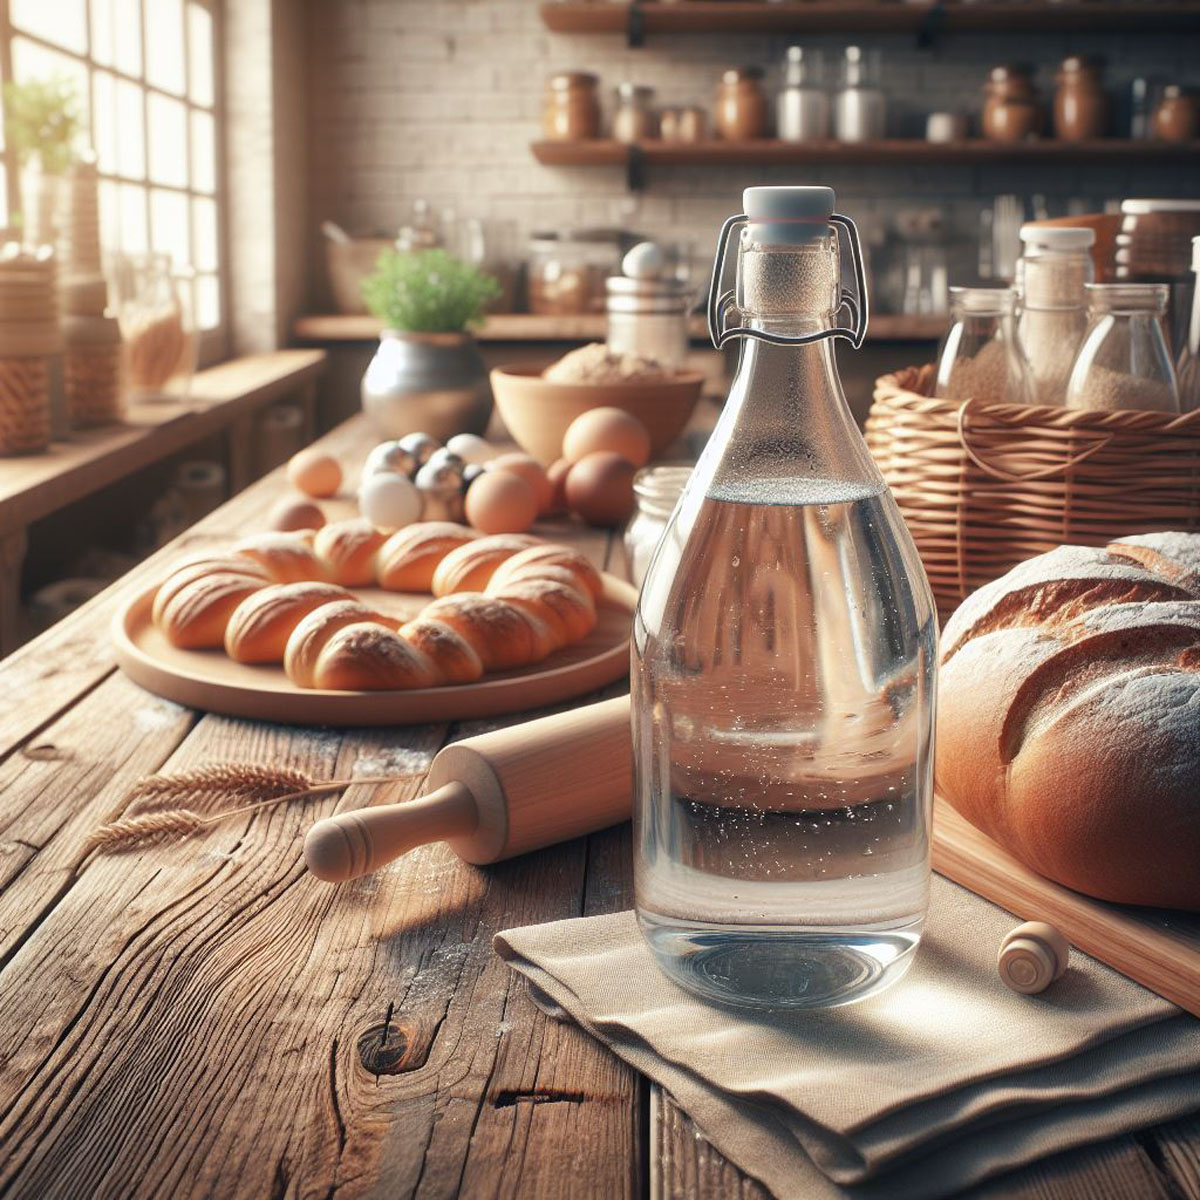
223	400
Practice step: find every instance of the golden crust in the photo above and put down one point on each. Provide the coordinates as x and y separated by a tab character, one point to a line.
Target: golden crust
470	567
310	635
349	550
259	628
370	657
408	559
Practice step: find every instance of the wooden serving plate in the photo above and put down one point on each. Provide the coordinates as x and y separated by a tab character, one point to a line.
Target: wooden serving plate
209	679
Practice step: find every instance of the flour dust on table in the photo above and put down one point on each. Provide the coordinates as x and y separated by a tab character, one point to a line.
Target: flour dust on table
784	651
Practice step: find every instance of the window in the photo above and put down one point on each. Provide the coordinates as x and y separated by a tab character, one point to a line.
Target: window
144	72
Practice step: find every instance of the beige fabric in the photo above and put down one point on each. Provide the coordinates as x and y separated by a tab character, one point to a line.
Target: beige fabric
941	1081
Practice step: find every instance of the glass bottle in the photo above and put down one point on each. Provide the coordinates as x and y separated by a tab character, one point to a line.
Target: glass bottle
981	358
1188	371
1051	276
1123	361
784	653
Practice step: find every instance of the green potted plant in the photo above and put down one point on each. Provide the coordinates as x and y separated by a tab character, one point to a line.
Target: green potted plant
427	374
41	124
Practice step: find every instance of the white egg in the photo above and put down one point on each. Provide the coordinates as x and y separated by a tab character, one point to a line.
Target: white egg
645	261
389	501
471	448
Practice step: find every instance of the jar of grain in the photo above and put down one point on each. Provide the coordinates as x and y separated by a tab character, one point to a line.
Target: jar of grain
741	108
571	112
1011	112
981	357
1123	360
92	370
30	342
1052	274
1177	117
1080	105
634	119
566	271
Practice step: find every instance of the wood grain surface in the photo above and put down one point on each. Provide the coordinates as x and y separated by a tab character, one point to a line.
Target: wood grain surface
203	1019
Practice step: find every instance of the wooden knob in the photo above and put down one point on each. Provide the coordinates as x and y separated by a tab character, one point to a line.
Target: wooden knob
1032	957
356	843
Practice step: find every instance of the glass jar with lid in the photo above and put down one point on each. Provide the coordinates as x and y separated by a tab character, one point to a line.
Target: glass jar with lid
860	107
657	490
571	112
566	271
802	108
981	358
740	114
647	308
1051	277
1123	361
634	120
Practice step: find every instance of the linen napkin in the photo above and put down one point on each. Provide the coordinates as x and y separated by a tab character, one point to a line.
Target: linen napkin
941	1081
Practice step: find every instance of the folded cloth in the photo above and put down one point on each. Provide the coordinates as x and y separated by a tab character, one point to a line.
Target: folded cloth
943	1080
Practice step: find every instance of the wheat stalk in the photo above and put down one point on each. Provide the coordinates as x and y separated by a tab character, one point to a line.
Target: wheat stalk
157	810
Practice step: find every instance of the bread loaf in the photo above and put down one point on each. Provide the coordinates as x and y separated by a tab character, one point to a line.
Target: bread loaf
1069	717
280	598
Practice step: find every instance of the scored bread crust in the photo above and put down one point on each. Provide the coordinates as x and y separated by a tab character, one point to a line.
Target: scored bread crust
278	599
1069	717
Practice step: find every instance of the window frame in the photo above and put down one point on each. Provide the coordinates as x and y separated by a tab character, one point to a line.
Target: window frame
213	343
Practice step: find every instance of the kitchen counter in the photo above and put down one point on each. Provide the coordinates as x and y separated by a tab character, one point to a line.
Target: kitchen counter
205	1019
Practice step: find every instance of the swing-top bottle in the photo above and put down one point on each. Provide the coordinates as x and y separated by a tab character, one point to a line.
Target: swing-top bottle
784	656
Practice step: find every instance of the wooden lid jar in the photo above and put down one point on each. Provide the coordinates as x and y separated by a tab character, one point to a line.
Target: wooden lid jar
29	340
571	112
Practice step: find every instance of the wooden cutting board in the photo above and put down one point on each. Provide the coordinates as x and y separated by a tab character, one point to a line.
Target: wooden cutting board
1159	948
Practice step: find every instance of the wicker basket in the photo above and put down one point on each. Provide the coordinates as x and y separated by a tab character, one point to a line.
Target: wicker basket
986	486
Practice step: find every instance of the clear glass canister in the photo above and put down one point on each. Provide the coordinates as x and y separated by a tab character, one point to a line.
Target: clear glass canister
784	652
154	307
566	271
981	358
634	119
657	490
1052	275
1123	361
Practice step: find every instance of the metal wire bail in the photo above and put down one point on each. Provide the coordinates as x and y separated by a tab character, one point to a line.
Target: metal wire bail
854	303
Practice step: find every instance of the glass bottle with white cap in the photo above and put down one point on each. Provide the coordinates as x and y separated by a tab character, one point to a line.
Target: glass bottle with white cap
784	655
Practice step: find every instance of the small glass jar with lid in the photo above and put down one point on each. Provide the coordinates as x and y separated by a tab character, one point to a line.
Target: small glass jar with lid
1052	275
634	120
740	114
1123	361
647	308
571	112
981	357
657	490
566	271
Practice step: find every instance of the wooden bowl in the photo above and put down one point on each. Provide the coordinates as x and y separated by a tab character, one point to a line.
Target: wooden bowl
537	412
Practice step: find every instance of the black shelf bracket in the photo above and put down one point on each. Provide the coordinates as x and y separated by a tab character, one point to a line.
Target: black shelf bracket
933	25
635	25
635	169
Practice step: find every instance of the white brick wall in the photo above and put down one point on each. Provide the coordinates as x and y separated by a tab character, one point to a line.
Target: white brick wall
440	99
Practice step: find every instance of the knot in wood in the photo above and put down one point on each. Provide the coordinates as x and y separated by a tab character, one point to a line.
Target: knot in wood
387	1049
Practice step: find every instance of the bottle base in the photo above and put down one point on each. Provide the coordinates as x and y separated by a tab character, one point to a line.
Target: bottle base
766	967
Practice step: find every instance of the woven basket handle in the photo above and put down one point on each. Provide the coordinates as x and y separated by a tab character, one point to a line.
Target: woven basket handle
1102	440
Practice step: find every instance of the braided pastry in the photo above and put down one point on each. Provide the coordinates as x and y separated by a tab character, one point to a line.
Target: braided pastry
501	602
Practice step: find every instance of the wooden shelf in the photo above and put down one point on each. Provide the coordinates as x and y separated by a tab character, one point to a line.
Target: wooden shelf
907	151
531	327
637	20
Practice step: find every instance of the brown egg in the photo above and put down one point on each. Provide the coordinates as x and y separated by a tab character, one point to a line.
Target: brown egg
607	429
501	501
529	470
314	472
557	473
600	488
292	513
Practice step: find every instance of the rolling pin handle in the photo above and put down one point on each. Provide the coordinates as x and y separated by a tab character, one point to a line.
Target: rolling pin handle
356	843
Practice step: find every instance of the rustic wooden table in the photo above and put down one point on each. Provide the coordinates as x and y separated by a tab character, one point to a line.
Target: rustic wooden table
205	1019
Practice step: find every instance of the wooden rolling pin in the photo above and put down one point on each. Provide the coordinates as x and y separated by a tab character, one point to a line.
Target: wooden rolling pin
495	795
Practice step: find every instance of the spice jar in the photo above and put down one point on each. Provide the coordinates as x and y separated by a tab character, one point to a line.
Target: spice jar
981	358
688	124
566	271
1011	112
802	108
1177	117
741	108
572	107
634	120
1051	278
29	342
860	106
1080	105
1123	361
92	370
657	490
